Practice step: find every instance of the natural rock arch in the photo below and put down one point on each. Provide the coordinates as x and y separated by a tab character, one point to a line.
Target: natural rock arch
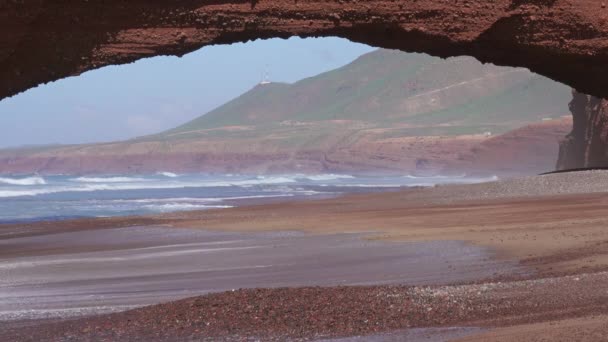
45	40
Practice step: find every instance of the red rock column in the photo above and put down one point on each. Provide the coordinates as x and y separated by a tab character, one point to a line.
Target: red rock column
587	145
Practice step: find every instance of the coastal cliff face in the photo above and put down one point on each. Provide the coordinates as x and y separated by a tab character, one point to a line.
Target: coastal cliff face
566	40
587	145
531	149
528	150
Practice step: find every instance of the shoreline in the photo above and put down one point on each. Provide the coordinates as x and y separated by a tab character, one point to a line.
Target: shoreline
536	230
66	277
558	237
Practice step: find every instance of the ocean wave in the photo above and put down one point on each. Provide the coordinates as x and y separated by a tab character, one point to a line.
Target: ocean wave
108	179
23	181
328	177
83	188
90	187
435	177
365	185
472	180
490	179
169	207
261	180
23	193
163	200
197	199
167	174
255	196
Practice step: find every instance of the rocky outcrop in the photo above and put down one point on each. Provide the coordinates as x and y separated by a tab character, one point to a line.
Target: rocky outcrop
528	150
567	40
531	149
587	145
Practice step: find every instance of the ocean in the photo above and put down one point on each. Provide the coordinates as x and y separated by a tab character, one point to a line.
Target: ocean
29	198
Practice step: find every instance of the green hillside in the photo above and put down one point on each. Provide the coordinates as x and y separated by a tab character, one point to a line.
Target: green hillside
393	89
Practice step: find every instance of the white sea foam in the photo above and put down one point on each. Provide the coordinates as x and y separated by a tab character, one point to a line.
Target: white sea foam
255	196
472	180
365	185
112	186
167	174
90	184
21	193
164	200
108	179
86	188
23	181
169	207
202	199
328	177
435	177
264	180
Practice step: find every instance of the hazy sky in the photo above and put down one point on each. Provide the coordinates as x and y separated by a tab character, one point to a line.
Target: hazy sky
155	94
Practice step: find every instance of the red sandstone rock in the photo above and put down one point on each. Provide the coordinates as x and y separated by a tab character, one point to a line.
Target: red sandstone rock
45	40
530	149
586	145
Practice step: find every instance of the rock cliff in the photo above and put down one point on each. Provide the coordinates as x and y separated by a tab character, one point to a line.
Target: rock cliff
44	40
587	145
528	150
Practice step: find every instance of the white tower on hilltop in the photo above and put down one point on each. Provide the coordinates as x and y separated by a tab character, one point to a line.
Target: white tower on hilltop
266	77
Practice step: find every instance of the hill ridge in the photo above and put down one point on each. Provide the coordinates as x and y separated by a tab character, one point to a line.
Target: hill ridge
387	87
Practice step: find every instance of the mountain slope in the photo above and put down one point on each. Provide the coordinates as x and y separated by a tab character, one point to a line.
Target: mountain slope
390	87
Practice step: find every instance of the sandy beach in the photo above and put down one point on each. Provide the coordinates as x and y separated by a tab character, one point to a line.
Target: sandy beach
509	261
132	267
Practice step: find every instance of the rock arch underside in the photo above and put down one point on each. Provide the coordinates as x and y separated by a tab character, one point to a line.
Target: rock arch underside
566	40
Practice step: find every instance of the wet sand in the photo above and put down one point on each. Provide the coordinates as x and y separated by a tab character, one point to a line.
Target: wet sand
98	271
553	235
313	313
412	335
558	241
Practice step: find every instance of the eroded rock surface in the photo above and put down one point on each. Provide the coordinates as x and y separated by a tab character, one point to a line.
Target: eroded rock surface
586	145
45	40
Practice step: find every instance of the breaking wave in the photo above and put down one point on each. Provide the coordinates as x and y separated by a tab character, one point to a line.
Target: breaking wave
20	193
328	177
261	180
40	186
91	186
435	177
23	181
163	200
167	174
108	179
170	207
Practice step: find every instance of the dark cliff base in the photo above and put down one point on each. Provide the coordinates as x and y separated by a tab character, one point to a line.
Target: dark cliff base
587	145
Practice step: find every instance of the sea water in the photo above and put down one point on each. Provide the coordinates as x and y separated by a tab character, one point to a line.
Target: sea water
27	198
